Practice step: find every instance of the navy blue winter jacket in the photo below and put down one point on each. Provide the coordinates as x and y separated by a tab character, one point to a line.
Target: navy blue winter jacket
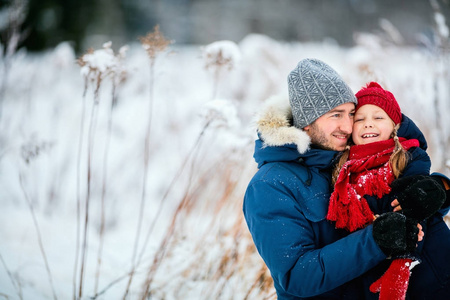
285	207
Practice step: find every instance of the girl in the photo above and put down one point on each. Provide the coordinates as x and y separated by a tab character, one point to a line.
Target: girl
365	174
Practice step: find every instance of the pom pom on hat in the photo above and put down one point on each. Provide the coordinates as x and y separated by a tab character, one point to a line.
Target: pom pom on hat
374	94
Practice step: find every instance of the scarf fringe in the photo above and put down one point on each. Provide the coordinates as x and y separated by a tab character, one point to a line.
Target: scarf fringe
350	213
376	182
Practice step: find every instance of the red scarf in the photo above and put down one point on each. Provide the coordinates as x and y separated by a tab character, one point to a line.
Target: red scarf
367	172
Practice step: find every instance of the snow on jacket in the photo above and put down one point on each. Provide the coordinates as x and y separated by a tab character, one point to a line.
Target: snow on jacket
285	207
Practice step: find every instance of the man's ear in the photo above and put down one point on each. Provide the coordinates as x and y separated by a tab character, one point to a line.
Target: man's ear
306	128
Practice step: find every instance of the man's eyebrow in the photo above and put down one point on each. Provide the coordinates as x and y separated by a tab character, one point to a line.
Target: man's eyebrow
333	111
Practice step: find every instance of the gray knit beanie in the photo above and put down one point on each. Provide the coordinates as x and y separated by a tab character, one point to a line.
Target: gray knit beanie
315	89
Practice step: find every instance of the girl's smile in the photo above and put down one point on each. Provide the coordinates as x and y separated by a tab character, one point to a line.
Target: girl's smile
371	124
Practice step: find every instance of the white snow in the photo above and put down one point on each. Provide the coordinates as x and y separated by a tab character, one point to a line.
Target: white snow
200	160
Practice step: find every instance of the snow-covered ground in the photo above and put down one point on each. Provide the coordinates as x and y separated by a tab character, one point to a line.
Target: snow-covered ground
58	149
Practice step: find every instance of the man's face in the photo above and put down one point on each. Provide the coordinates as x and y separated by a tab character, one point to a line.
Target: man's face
332	130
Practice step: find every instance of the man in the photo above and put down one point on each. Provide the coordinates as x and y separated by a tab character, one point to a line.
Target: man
286	202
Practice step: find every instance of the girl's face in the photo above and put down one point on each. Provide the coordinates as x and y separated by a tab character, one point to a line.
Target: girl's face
371	124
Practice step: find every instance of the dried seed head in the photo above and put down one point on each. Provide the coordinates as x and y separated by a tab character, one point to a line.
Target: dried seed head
81	60
33	148
218	59
154	42
99	64
221	54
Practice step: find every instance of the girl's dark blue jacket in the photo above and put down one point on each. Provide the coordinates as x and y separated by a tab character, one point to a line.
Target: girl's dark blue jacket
285	208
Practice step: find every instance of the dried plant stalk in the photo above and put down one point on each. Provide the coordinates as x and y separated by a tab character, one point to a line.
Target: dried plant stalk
78	204
91	135
154	43
98	75
161	252
118	77
14	35
11	278
96	66
39	236
102	209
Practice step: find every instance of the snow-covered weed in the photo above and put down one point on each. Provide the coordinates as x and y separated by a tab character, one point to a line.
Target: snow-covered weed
219	57
96	66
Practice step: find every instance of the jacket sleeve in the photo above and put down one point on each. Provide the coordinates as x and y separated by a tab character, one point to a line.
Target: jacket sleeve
287	242
446	206
419	163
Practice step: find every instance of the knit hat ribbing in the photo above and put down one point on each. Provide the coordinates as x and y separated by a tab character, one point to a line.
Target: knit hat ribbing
315	89
374	94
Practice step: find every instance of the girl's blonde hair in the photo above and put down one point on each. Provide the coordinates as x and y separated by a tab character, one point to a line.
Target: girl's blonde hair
397	161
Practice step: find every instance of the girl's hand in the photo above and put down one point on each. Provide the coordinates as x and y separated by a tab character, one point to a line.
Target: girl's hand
421	233
396	205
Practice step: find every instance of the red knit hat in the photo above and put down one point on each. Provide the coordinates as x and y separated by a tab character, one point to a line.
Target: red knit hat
374	94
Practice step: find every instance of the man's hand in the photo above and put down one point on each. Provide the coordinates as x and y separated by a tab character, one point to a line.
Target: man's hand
421	234
396	234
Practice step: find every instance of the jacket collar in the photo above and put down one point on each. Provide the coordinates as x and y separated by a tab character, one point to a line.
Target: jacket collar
409	130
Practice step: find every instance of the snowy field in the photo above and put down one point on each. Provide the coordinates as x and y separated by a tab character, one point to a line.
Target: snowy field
152	184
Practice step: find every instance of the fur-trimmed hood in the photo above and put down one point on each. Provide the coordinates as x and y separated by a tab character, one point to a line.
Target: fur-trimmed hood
274	125
280	141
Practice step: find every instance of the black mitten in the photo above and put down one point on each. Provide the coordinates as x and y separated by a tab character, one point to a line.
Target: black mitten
421	198
395	234
402	183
